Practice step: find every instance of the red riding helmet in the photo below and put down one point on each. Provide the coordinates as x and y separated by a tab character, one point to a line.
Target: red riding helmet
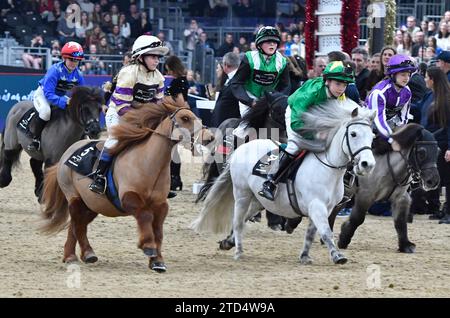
72	50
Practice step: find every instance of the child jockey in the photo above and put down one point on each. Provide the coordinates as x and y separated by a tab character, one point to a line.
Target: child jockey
139	82
335	78
60	78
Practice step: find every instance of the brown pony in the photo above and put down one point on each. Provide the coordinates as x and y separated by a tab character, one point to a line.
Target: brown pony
141	173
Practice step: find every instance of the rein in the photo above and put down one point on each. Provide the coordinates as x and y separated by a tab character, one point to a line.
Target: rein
352	154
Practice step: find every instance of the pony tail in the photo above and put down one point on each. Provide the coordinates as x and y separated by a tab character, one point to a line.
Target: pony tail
217	213
55	211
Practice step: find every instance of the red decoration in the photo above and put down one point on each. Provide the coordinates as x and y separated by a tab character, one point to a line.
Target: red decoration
349	25
310	31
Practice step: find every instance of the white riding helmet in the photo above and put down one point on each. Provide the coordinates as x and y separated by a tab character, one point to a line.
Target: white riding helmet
148	45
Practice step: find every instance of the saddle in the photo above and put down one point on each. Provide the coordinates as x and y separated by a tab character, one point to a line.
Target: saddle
262	169
82	161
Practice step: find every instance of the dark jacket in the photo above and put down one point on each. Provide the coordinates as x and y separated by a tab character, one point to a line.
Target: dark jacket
360	81
227	106
443	136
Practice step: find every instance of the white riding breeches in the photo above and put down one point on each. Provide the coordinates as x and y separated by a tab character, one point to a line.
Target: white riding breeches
41	104
294	138
112	119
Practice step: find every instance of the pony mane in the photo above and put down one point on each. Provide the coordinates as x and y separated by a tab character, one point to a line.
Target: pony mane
138	125
256	116
407	135
82	95
328	117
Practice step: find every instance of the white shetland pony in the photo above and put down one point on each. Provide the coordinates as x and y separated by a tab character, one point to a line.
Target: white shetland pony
319	180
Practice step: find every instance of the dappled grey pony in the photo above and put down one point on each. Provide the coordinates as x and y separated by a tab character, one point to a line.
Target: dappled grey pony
390	180
318	184
65	127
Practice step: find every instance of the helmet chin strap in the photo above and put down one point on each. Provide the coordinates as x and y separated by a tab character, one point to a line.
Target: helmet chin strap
329	91
142	62
394	80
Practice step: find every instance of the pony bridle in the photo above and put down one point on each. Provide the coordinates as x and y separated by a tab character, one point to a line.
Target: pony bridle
413	167
194	136
352	154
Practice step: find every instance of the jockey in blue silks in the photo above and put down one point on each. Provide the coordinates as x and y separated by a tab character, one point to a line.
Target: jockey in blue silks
60	78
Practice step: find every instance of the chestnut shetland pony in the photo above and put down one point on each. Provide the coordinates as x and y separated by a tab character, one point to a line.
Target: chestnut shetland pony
141	173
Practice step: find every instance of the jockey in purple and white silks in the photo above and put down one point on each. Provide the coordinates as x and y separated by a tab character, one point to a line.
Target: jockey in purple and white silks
391	97
141	82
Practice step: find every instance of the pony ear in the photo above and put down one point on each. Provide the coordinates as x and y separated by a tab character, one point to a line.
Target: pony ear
419	134
355	112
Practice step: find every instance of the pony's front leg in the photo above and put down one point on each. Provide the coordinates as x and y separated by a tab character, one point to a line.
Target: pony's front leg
318	214
400	208
309	238
159	215
241	206
133	203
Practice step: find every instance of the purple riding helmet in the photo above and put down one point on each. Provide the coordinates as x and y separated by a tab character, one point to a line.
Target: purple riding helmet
400	63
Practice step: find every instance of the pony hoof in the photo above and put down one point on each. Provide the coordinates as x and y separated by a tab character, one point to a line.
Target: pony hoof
150	252
159	267
306	260
340	259
70	259
226	245
90	258
5	181
237	256
408	248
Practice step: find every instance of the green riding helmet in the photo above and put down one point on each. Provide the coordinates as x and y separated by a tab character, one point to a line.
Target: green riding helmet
339	71
265	34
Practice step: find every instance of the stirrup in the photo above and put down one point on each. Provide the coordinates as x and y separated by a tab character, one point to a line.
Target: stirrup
35	145
268	190
96	187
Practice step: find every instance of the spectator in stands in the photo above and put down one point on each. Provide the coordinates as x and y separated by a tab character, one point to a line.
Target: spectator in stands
29	6
244	9
298	12
443	62
195	88
360	57
56	51
431	29
243	45
145	27
105	5
377	75
443	37
125	29
103	47
419	42
106	24
97	14
31	60
162	37
411	25
375	63
319	65
253	46
227	105
297	47
424	27
227	46
218	8
432	42
55	15
447	16
192	34
66	32
405	46
134	19
45	7
86	6
398	39
114	14
82	26
116	41
94	36
94	66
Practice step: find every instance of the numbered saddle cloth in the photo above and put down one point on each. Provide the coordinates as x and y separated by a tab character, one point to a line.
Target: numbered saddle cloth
83	160
24	123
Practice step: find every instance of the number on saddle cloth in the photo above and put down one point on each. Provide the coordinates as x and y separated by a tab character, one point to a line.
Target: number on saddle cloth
262	167
83	159
24	123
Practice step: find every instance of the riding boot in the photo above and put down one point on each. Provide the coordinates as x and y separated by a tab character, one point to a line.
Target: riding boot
99	184
39	125
276	172
175	179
